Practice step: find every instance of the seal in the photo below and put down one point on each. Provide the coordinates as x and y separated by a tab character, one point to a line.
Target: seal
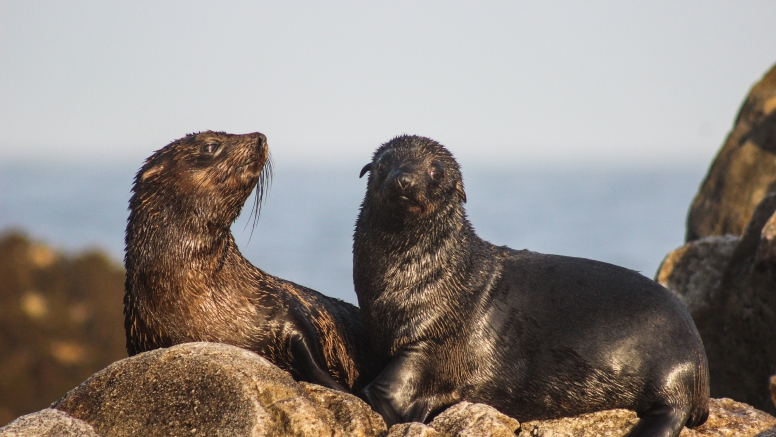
187	281
536	336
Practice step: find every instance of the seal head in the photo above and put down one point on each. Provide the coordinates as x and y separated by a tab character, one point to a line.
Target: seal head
412	177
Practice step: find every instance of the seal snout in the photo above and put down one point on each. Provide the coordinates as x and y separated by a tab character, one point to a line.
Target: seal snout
404	180
260	137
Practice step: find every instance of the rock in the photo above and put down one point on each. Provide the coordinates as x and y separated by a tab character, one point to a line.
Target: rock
413	429
766	249
694	271
463	419
48	423
726	418
730	295
610	422
730	418
469	420
201	389
773	389
60	318
354	416
744	170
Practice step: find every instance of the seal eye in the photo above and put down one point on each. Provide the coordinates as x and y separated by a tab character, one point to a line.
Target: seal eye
210	148
436	172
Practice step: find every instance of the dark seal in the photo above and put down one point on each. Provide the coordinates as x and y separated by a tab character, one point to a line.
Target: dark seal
187	281
536	336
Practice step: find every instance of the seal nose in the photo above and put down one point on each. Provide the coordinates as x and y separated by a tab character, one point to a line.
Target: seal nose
404	180
260	137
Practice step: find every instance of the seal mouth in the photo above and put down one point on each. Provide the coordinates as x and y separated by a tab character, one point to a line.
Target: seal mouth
409	204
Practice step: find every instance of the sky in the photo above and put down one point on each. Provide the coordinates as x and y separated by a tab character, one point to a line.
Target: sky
499	83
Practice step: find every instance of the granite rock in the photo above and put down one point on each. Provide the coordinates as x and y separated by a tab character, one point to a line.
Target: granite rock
744	170
726	418
48	423
201	389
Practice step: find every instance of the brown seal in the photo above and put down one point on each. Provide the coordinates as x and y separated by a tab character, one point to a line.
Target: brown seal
187	281
536	336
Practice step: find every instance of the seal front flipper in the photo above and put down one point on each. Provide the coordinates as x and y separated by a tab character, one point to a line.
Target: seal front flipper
310	364
394	395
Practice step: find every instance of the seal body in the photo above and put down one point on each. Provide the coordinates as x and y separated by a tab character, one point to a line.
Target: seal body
536	336
187	281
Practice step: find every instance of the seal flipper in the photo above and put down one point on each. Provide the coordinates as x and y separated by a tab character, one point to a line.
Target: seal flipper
394	394
660	421
310	363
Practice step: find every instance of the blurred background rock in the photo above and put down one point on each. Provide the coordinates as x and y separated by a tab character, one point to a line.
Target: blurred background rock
61	320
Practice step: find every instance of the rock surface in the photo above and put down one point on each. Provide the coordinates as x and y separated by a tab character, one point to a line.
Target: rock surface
201	389
744	170
198	389
48	423
694	271
729	286
773	389
461	420
726	418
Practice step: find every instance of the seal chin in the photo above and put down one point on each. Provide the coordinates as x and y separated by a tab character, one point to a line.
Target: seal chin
250	170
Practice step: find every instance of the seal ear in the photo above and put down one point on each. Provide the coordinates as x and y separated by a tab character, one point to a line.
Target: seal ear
459	190
151	172
365	169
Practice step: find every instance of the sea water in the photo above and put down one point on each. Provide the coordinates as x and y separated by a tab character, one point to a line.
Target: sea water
625	216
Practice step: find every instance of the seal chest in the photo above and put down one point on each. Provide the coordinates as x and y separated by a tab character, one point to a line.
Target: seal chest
187	281
536	336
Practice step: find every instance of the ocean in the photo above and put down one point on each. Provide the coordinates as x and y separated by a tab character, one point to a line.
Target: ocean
624	216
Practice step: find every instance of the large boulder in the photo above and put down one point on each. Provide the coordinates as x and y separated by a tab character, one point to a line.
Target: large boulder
744	170
729	287
202	389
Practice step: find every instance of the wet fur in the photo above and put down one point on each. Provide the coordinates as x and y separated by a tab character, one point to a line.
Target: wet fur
536	336
187	280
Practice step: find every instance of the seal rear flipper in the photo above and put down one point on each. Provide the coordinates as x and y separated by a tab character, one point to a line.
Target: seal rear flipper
660	421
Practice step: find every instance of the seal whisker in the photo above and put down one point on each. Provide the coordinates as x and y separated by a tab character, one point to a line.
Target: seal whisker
263	186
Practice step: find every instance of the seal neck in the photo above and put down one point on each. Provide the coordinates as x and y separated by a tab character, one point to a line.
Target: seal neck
407	270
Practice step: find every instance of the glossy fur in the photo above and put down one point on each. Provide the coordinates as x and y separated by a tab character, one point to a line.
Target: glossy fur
536	336
187	281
